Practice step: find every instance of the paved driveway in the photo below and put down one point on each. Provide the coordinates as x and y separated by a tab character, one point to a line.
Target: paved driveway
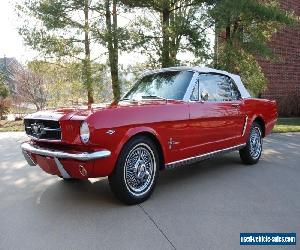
204	206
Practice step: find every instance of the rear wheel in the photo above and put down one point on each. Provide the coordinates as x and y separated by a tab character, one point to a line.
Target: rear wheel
251	153
136	171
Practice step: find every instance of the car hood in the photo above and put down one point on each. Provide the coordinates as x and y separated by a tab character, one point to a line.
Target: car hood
81	113
78	113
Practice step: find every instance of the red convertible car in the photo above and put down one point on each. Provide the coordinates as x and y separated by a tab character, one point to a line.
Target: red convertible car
171	117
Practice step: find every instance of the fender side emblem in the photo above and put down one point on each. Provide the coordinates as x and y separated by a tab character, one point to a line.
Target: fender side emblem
171	143
110	132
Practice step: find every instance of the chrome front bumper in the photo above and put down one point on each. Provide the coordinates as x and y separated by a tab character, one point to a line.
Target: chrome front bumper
63	155
30	148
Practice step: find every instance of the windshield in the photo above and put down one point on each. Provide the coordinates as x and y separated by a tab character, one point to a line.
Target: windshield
163	85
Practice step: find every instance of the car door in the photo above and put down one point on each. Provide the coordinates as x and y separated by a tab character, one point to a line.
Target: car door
215	119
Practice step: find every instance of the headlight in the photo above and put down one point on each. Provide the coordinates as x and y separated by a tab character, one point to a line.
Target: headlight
84	132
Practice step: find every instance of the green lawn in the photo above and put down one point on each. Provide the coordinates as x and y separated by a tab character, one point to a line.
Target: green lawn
283	125
6	126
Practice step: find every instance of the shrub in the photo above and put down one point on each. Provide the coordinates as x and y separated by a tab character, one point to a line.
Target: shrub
5	104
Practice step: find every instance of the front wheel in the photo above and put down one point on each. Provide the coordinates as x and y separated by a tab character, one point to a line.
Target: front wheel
251	153
136	171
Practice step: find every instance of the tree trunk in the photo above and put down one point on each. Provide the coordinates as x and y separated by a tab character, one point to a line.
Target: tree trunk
228	33
165	54
37	106
173	44
112	44
228	49
216	46
87	70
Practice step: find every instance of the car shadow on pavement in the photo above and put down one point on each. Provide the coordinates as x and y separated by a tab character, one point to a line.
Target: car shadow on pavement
79	191
97	192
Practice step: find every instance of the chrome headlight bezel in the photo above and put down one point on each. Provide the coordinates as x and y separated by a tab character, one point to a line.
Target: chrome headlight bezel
84	132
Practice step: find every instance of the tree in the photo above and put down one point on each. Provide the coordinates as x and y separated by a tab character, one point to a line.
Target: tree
243	29
3	89
31	88
70	29
63	29
112	37
62	82
112	40
5	102
179	27
64	86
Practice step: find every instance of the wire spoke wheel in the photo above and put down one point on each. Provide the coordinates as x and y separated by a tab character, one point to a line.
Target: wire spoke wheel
136	172
139	169
251	153
255	143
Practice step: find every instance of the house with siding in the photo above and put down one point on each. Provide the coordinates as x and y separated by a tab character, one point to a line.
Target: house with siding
8	68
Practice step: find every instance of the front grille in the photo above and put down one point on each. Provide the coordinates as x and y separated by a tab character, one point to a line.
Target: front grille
43	129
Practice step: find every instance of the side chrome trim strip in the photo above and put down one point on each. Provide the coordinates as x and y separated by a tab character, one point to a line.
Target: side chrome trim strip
203	156
85	156
245	125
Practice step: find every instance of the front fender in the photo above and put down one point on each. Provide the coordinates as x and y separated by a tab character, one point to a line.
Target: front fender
130	133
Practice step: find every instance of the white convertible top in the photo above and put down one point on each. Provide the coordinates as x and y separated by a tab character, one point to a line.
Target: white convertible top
244	92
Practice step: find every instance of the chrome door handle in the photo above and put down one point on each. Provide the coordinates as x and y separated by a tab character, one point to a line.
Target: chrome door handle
236	105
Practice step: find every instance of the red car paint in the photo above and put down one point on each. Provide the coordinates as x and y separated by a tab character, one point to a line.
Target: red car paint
181	130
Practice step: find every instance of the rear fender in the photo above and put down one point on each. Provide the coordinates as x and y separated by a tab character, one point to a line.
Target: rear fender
250	122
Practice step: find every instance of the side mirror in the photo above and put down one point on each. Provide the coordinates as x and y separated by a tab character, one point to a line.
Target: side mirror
204	95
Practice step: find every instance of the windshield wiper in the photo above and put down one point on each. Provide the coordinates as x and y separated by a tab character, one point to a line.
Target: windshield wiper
129	99
153	97
145	97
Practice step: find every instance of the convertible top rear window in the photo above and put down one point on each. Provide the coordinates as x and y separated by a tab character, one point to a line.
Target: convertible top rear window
168	85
